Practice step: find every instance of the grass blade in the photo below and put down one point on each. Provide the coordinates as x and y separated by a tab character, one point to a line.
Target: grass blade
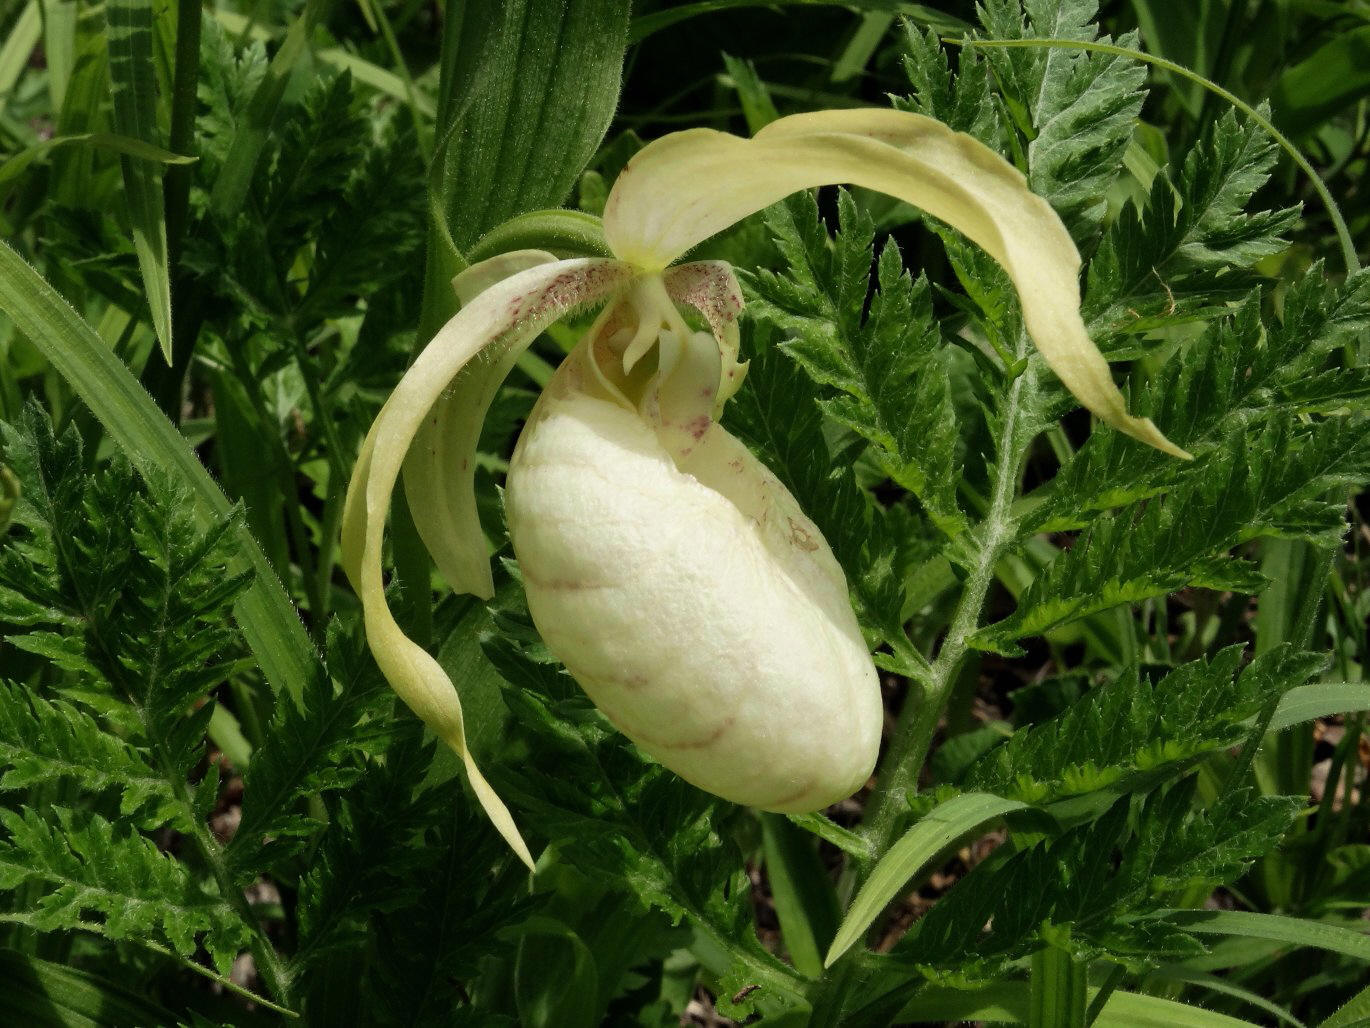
1008	1002
1329	80
1135	1010
267	617
1222	985
18	48
124	145
1277	928
805	901
1354	1011
1309	702
133	88
947	823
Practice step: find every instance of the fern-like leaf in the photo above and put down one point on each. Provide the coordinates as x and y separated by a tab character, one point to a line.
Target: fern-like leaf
50	741
85	872
1102	885
1184	253
885	370
310	750
1121	734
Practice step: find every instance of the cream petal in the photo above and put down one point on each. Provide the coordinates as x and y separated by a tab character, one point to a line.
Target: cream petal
440	469
711	288
688	186
502	319
482	275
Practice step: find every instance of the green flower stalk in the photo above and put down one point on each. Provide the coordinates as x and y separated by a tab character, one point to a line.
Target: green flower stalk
673	575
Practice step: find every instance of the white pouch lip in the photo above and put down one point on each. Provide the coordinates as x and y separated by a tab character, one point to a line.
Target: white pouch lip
683	587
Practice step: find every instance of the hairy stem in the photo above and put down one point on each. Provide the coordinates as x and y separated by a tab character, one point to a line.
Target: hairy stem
912	739
918	720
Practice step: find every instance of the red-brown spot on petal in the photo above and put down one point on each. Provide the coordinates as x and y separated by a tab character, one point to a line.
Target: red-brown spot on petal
801	537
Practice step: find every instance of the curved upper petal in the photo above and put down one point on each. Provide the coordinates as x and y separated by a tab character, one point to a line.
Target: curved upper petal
686	187
503	319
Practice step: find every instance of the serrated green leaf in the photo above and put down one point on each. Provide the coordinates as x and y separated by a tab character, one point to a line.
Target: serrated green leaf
363	863
310	751
1266	483
1181	255
51	741
125	591
963	101
1077	110
84	865
1242	371
1129	728
891	387
1217	845
268	620
1105	880
252	127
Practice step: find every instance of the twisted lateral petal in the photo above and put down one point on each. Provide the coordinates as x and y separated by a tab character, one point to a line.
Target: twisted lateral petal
685	187
502	319
440	469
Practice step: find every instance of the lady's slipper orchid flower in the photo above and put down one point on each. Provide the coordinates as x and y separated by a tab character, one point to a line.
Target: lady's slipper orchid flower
672	574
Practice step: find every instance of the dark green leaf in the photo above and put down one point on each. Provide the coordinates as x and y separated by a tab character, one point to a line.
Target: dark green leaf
550	87
134	90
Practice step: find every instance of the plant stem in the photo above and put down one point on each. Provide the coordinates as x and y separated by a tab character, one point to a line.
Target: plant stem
226	983
912	739
318	580
264	954
918	720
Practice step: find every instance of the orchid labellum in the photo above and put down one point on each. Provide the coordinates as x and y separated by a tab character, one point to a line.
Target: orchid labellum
672	574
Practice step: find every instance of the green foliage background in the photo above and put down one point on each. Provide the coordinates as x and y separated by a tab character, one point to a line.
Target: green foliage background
1124	778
